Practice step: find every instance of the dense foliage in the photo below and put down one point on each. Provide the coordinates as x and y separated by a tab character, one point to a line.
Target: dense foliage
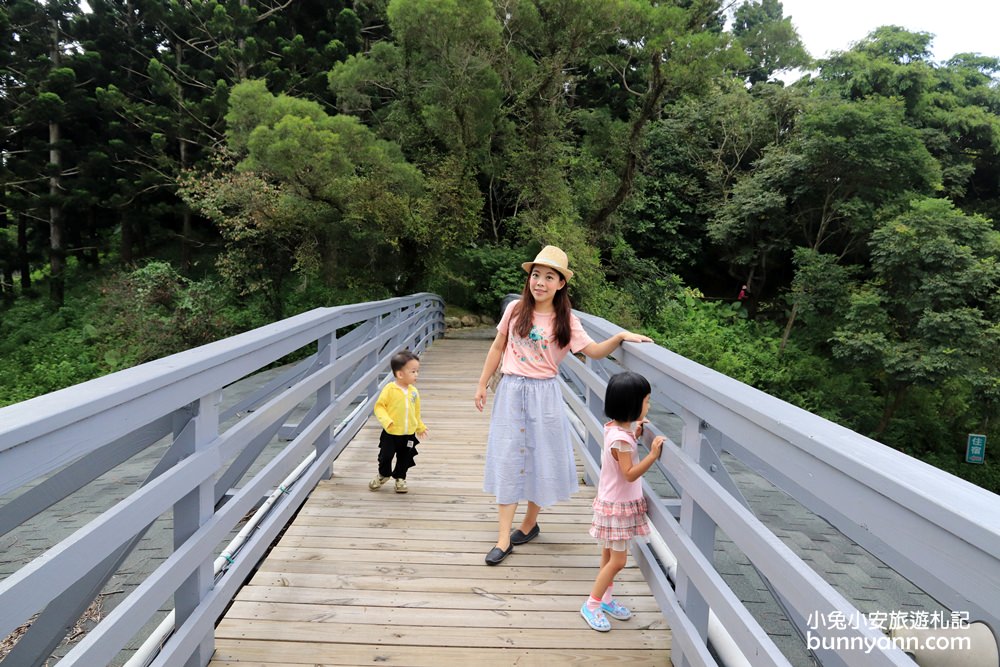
176	172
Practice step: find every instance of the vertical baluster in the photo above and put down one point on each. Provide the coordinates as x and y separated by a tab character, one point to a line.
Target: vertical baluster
326	356
373	356
700	526
595	403
192	434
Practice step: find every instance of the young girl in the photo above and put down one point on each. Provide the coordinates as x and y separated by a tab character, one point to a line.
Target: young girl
529	455
619	508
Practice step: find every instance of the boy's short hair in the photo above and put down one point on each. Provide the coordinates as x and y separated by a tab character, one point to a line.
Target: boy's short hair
400	359
624	396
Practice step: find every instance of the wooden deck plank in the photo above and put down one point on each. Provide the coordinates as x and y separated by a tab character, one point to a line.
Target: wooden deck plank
362	577
251	653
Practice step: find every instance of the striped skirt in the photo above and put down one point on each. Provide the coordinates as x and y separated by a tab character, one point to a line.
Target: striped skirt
616	524
529	454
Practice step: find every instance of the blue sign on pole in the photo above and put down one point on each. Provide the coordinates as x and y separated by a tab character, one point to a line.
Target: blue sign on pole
975	449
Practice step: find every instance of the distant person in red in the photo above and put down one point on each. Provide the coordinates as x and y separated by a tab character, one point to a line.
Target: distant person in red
744	293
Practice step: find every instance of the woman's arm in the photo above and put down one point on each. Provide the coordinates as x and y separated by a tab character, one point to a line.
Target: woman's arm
634	471
489	368
606	347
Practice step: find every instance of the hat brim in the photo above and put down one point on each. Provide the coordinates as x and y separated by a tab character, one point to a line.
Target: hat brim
565	273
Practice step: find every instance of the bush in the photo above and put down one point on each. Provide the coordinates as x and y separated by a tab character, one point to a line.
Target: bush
43	349
479	277
718	335
154	311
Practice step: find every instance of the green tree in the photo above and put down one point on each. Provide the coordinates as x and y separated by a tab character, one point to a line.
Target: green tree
930	313
956	106
768	39
319	195
824	188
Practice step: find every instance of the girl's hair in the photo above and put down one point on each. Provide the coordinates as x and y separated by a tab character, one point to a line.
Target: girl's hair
560	303
624	396
400	359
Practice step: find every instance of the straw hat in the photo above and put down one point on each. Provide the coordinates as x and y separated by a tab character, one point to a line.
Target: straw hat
551	256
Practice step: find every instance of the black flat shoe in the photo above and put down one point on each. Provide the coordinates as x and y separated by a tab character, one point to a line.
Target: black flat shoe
497	554
517	537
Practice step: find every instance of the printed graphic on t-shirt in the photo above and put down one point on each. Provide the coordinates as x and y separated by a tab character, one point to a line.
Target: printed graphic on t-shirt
530	348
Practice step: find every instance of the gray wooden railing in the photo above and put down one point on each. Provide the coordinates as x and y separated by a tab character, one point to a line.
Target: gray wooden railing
938	531
54	445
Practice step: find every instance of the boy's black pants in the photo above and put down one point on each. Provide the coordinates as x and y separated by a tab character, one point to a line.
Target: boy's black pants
402	447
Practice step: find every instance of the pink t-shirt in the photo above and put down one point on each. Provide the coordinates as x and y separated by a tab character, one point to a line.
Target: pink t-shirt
538	355
613	487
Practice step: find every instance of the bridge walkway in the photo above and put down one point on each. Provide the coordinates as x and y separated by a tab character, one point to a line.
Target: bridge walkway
361	577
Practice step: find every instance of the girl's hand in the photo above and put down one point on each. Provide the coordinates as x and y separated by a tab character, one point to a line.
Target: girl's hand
656	447
424	433
639	429
480	397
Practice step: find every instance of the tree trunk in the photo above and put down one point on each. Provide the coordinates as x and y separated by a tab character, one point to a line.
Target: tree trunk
650	107
57	250
788	327
127	240
92	255
892	403
7	286
23	266
182	147
186	230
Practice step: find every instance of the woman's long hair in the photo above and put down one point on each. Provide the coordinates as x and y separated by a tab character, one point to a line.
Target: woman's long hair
560	303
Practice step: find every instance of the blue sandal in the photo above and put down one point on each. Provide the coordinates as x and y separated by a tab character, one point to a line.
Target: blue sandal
595	619
616	610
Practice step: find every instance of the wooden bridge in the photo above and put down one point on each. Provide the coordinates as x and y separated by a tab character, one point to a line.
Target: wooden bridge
387	578
227	528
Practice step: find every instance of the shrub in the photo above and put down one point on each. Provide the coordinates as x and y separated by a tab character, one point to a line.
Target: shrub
154	311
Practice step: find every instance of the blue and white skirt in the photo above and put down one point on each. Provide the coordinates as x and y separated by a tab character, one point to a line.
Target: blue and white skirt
529	454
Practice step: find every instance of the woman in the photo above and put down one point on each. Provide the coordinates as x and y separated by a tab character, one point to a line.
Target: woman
529	455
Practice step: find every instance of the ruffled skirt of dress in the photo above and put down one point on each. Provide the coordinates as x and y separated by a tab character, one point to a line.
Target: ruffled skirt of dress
616	524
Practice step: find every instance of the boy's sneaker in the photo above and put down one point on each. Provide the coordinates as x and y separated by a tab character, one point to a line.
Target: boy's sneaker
616	609
401	486
377	483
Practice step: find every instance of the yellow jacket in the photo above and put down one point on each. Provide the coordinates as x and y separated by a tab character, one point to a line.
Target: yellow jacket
398	410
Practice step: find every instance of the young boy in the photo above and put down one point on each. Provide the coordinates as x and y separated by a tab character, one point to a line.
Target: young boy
398	410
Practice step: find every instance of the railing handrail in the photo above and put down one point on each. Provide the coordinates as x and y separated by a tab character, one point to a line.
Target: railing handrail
58	421
37	416
888	502
84	431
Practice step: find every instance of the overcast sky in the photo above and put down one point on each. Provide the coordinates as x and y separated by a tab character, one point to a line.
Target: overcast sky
958	26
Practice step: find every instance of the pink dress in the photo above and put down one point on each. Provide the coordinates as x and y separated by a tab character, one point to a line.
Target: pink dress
619	508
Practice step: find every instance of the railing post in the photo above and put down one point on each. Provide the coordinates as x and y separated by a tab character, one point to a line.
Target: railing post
326	355
373	356
395	318
700	526
195	429
595	403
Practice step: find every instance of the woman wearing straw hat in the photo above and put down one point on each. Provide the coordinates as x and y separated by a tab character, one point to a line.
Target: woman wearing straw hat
529	456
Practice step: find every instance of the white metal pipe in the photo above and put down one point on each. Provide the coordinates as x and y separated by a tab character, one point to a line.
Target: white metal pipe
154	642
723	643
970	645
